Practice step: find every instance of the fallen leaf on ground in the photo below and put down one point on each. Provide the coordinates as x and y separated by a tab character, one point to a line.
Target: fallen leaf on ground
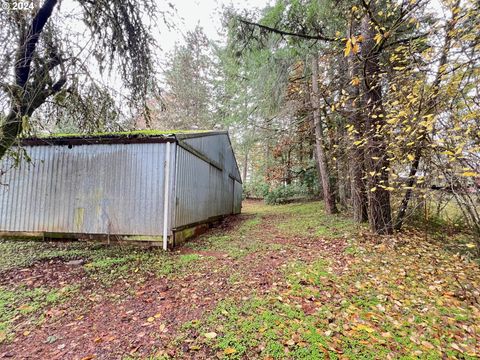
229	351
210	335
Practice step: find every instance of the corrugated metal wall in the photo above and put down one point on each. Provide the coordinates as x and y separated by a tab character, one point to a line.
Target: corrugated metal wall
93	189
202	191
237	199
118	189
217	148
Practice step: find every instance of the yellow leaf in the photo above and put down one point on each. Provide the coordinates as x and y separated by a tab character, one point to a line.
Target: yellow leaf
366	328
348	47
151	319
470	246
410	157
470	174
25	308
355	81
378	38
229	351
356	48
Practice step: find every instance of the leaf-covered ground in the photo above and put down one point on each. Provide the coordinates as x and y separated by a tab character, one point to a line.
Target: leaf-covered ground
276	282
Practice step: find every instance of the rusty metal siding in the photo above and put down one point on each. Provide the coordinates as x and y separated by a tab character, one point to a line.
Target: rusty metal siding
93	189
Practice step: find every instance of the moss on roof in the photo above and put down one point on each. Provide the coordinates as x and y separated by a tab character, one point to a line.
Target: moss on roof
135	133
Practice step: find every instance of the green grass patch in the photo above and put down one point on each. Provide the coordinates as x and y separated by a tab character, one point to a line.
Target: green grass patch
244	240
137	264
22	302
106	263
310	219
23	253
385	305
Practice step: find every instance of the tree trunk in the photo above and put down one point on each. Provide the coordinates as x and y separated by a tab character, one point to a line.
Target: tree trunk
431	104
311	139
356	154
329	198
245	166
22	105
376	161
408	194
357	185
288	166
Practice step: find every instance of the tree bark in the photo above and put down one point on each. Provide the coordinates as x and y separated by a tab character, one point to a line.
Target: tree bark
328	196
311	121
376	160
356	153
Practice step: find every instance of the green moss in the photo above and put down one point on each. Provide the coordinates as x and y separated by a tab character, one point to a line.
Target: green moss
123	133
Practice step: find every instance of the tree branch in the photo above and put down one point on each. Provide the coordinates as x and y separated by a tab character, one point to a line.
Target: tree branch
288	33
29	42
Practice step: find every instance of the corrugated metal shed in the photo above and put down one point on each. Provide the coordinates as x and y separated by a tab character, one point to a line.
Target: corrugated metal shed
115	186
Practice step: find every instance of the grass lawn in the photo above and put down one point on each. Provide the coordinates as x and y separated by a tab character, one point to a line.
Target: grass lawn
277	282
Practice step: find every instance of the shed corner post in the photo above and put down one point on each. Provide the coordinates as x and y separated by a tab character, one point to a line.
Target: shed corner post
166	196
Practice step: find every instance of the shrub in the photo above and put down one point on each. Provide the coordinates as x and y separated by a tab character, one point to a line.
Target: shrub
255	189
284	193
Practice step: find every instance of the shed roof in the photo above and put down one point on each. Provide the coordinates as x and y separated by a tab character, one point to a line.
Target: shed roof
185	138
123	137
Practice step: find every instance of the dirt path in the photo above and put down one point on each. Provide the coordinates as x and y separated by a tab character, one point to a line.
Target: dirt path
136	320
273	283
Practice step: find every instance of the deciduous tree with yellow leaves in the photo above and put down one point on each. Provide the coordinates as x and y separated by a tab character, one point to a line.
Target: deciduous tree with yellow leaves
399	90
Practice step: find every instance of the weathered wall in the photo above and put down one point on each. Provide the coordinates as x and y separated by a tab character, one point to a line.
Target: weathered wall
206	190
118	189
93	189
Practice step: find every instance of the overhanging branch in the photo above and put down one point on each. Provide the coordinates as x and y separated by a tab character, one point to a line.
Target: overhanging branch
288	33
